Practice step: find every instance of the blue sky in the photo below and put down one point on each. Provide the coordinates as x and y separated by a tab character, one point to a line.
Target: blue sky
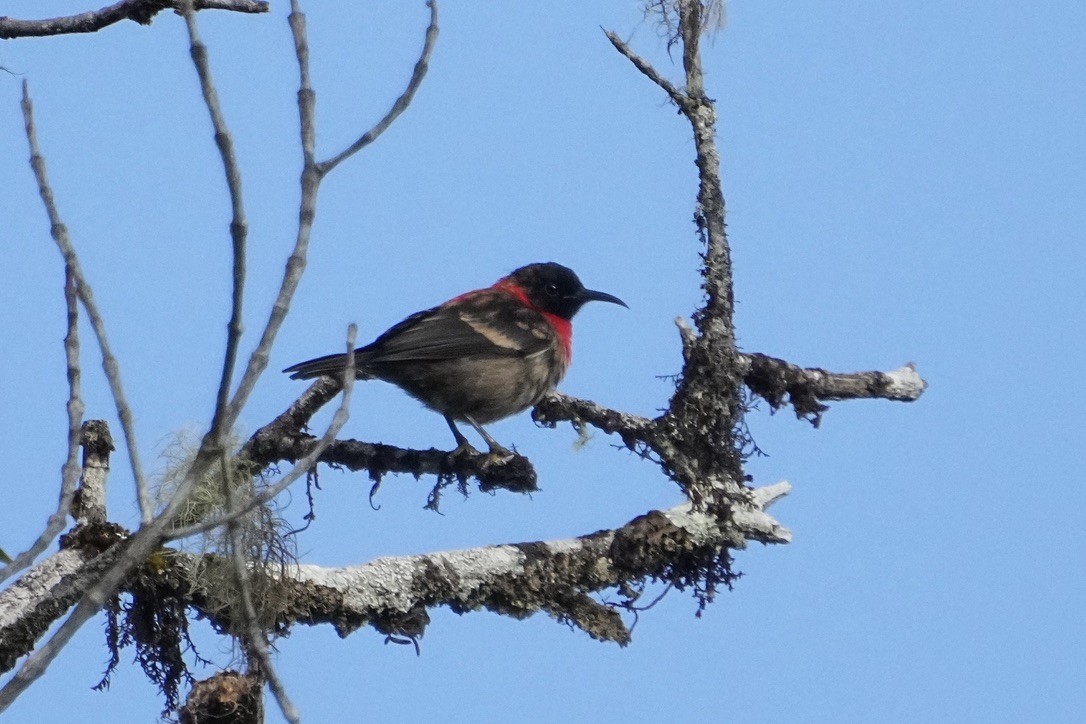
904	183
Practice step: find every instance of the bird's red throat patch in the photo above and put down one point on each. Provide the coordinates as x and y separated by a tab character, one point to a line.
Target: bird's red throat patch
563	327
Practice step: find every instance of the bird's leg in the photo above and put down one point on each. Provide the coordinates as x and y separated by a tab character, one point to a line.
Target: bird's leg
462	444
498	453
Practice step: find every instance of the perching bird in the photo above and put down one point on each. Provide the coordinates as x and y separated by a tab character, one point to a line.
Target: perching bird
481	356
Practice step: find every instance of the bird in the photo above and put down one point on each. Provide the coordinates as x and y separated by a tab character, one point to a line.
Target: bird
481	356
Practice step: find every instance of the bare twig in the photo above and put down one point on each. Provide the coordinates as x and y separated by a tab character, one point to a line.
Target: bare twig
680	98
311	176
239	227
141	11
401	103
70	469
307	211
253	634
109	362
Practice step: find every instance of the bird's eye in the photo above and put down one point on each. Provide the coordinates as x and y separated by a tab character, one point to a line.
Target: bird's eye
551	290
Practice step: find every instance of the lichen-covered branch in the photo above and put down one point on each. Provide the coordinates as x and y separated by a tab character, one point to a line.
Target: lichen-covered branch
89	506
676	546
515	474
776	380
140	11
697	430
282	440
30	605
556	407
33	602
45	592
780	382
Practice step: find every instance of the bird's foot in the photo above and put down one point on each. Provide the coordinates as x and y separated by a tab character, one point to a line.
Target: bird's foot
465	448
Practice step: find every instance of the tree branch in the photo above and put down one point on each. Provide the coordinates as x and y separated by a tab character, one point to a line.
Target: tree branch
697	432
109	363
42	595
392	594
282	440
69	472
252	633
305	462
646	68
401	104
89	505
141	11
239	226
678	546
780	383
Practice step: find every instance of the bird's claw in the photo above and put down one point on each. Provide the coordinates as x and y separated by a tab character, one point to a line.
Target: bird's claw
464	449
498	455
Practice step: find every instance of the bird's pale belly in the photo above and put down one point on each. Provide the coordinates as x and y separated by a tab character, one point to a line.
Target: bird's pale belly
467	387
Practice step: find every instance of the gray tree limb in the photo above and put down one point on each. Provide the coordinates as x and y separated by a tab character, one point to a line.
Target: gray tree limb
140	11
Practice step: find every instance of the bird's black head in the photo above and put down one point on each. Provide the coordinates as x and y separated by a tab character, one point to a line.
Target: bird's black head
556	289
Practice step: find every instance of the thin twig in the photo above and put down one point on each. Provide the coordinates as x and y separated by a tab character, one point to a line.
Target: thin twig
307	211
112	369
70	469
401	103
141	11
239	227
312	173
680	98
257	645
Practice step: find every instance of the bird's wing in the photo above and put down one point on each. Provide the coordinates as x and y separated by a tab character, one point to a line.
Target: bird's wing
471	326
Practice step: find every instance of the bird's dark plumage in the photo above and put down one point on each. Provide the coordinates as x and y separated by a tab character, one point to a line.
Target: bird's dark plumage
481	356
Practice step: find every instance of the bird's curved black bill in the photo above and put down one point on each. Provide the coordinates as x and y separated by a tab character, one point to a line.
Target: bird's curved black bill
591	295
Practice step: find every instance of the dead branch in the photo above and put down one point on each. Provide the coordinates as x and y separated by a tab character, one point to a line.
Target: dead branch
780	382
520	579
140	11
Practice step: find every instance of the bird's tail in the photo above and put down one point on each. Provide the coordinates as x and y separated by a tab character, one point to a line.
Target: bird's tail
332	364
